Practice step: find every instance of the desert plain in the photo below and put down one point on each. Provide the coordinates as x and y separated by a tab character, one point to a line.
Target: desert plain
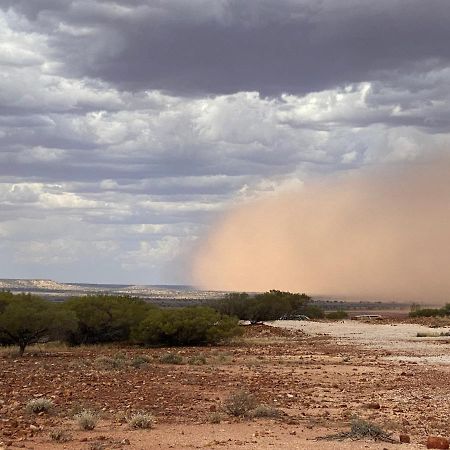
313	378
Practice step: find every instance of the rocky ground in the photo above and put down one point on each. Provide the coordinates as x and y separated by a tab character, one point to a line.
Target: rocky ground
317	380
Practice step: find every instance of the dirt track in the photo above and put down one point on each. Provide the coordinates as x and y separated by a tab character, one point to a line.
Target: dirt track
318	382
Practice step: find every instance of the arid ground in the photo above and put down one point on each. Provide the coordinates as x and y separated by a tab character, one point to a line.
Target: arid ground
317	375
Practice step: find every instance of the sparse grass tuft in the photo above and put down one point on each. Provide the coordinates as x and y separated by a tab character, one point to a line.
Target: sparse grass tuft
198	360
240	403
116	362
39	405
361	429
60	435
139	361
86	419
215	417
220	358
141	420
431	334
171	358
265	411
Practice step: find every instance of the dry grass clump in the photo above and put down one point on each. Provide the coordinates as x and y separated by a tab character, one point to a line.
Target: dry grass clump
60	435
362	429
39	405
198	360
215	417
240	403
431	334
115	362
86	419
262	411
171	358
141	420
139	361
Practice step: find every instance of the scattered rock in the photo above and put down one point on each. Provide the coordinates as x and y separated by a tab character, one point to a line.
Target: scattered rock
437	442
405	439
372	405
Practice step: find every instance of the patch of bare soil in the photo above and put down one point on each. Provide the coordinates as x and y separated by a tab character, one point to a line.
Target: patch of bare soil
318	383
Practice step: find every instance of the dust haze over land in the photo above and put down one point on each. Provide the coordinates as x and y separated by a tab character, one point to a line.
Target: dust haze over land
380	234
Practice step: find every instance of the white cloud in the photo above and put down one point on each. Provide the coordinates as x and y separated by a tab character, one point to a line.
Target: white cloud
92	171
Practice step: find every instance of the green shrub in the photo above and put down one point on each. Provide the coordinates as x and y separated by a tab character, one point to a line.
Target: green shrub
185	326
27	319
60	435
197	360
270	305
337	315
39	405
430	312
139	361
141	420
239	403
262	411
110	363
105	318
171	358
215	417
312	311
86	419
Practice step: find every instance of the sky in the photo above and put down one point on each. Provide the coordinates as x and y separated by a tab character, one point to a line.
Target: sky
128	128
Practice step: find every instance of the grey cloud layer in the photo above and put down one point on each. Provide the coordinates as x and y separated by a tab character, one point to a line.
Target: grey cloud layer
126	127
222	46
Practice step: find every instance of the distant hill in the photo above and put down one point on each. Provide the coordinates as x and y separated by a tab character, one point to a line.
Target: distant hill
165	295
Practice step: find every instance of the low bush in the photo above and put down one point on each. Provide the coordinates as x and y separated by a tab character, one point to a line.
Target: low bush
86	419
197	360
362	429
429	334
269	305
185	326
431	312
141	420
60	435
110	363
171	358
337	315
262	411
39	405
139	361
104	318
215	417
240	403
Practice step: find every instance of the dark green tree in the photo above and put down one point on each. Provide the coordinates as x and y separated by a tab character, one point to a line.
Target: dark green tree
26	319
105	318
185	326
269	305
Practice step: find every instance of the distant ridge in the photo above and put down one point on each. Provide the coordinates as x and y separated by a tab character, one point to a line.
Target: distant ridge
59	291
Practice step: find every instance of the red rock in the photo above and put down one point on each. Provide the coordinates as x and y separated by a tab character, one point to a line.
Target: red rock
373	405
405	439
437	442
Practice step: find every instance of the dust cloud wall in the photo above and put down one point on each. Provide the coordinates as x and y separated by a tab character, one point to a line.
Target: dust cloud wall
383	234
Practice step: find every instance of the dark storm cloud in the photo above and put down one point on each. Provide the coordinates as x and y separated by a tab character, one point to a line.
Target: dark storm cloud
126	127
228	46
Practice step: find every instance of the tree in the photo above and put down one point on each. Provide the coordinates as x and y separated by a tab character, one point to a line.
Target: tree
26	319
185	326
269	305
105	318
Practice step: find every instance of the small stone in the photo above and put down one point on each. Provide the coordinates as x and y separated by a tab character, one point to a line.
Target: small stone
437	442
373	405
405	439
